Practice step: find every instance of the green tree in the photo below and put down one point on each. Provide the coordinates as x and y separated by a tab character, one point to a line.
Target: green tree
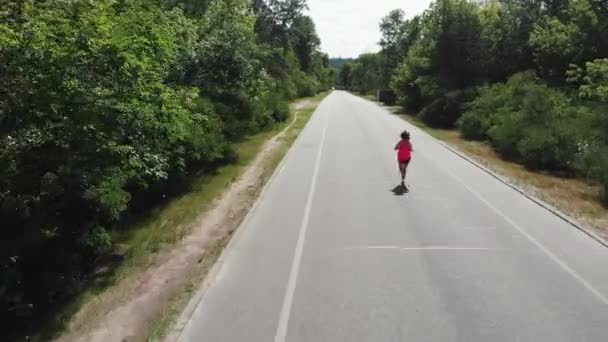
344	75
398	35
444	58
365	74
503	44
305	42
578	37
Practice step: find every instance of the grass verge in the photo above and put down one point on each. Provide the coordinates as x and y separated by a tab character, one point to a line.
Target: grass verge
575	197
171	311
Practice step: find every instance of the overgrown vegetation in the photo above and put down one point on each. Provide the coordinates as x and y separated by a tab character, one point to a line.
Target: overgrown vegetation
530	77
107	108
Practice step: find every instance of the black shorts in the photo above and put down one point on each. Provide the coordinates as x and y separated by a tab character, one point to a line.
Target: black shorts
406	162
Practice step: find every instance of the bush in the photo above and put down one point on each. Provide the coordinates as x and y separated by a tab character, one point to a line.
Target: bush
277	105
447	109
593	149
306	86
477	119
526	121
280	112
594	164
387	97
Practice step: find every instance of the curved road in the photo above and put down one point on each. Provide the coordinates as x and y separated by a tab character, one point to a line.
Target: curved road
330	254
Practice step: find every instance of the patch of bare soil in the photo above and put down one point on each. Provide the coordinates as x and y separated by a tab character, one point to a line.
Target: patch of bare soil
126	311
303	104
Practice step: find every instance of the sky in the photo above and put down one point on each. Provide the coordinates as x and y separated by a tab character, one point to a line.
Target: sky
348	28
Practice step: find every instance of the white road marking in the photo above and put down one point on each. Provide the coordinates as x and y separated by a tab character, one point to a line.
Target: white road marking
282	326
423	248
530	238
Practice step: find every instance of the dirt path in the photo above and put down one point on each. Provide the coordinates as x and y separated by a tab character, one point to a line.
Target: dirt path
125	312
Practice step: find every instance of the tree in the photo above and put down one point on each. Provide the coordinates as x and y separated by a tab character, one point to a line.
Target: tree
392	28
305	42
195	8
578	37
344	75
398	35
445	57
365	74
503	46
275	18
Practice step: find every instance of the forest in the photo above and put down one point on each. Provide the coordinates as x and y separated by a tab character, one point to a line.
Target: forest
530	77
109	107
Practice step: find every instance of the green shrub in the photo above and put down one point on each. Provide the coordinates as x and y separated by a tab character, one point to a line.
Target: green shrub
477	119
506	132
526	121
306	86
96	241
277	106
446	109
593	149
594	164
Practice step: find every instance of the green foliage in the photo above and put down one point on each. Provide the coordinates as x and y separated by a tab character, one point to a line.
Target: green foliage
444	57
592	88
446	109
398	35
477	120
344	76
305	42
592	81
96	241
338	63
365	74
575	38
107	106
527	121
503	44
594	163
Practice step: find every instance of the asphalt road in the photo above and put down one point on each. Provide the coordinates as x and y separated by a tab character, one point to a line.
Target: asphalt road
330	254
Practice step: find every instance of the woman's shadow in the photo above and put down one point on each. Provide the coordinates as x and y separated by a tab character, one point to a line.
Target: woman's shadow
400	190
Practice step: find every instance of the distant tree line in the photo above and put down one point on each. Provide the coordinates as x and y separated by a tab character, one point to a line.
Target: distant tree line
528	76
109	106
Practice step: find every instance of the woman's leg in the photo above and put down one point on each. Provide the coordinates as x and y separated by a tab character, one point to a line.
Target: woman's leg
402	168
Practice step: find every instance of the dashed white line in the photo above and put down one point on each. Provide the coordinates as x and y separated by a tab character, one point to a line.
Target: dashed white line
422	248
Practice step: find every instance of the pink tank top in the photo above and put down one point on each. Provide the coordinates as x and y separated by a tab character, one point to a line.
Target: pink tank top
405	150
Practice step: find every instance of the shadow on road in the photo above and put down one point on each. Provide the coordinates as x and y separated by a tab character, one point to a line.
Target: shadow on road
400	190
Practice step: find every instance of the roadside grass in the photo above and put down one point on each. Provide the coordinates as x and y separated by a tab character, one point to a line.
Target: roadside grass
369	97
174	309
168	225
164	226
575	197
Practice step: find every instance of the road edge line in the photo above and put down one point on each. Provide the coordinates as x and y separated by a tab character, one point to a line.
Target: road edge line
285	313
565	217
